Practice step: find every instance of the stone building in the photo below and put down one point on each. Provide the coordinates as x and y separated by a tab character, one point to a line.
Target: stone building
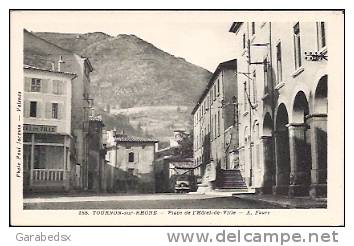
129	163
48	145
43	54
216	125
96	155
283	106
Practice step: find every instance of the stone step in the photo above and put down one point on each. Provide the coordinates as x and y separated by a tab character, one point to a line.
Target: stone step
236	190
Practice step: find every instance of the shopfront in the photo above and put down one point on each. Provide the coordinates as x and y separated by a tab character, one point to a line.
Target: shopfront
46	158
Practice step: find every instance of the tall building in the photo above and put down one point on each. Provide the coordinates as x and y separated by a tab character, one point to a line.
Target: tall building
216	122
43	54
282	78
48	144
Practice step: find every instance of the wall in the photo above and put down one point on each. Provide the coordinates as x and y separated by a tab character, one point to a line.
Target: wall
41	53
255	138
44	100
143	165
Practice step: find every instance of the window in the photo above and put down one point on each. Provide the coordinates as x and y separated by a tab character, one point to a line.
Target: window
218	84
265	76
57	87
218	123
245	135
208	103
321	29
211	128
279	63
214	92
131	157
297	46
33	109
35	85
254	85
244	41
216	126
54	110
244	96
253	28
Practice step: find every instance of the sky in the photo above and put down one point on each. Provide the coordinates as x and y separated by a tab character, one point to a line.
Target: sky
201	38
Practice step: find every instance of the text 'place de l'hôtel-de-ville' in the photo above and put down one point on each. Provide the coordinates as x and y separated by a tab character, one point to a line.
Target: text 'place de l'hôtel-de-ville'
259	125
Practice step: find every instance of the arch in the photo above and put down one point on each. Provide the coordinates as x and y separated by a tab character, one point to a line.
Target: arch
282	150
282	117
267	125
268	155
300	146
255	148
300	108
321	96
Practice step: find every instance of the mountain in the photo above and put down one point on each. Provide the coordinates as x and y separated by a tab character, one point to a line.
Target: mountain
131	73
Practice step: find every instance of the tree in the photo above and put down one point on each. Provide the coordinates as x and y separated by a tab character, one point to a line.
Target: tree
186	145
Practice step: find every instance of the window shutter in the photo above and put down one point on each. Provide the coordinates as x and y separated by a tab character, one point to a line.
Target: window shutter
26	111
39	108
61	111
54	86
44	85
48	110
60	87
27	84
63	87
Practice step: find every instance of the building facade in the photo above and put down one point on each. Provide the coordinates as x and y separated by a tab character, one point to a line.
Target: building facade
41	53
48	143
129	163
96	155
215	125
283	106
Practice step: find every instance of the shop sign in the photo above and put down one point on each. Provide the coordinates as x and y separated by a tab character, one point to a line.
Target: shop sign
39	128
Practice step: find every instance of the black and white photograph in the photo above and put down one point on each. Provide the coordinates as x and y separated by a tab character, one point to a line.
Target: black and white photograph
177	117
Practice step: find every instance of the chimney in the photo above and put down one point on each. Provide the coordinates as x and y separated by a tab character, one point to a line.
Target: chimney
60	62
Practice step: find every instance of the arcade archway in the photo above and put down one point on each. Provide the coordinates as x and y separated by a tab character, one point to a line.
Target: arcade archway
282	151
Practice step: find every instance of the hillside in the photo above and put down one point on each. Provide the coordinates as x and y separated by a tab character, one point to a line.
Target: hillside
130	72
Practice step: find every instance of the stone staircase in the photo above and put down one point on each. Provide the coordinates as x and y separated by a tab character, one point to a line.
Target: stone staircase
230	180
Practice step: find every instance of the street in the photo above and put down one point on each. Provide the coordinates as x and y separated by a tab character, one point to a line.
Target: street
151	201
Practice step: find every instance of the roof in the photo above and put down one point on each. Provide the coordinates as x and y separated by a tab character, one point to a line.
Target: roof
235	27
28	67
59	50
131	139
184	164
227	64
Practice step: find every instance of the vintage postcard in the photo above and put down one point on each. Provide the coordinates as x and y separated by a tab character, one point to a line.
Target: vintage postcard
162	117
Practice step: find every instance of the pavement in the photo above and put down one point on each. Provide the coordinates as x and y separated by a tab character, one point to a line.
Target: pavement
285	201
151	201
212	199
125	197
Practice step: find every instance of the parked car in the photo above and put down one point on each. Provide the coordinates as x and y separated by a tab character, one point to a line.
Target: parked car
185	183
